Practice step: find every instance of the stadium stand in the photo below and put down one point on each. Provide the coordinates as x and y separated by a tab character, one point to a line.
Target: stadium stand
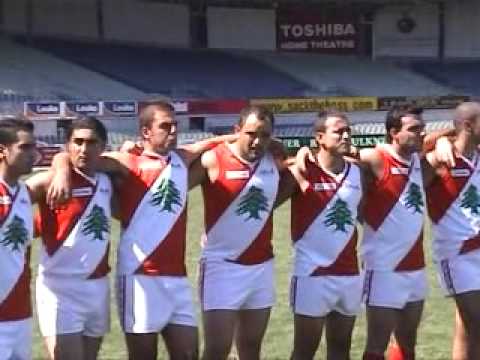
463	76
351	76
180	73
31	75
357	129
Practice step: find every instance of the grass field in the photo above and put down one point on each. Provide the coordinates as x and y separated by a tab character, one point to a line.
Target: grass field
434	340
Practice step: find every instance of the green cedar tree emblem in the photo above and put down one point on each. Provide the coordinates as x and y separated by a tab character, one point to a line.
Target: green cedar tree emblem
96	223
16	234
166	195
471	200
414	198
339	215
252	203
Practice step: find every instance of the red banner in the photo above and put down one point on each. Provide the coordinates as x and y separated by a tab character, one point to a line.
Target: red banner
330	31
228	106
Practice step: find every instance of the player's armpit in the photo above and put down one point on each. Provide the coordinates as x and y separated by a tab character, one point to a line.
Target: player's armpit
37	185
114	163
209	162
287	187
60	185
197	174
189	153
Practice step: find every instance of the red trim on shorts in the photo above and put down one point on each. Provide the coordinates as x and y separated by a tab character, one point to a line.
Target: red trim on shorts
201	287
293	292
447	277
124	301
470	244
367	286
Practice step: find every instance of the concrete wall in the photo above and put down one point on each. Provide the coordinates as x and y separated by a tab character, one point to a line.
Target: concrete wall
232	28
147	23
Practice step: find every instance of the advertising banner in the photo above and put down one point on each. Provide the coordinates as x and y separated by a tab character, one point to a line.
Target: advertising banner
329	31
42	110
88	108
292	144
426	102
298	105
120	108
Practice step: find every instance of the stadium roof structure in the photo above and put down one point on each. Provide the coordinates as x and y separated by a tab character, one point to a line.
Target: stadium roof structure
274	3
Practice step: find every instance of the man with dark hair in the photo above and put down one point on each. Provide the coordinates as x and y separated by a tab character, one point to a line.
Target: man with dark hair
326	289
236	287
153	292
395	281
72	286
17	156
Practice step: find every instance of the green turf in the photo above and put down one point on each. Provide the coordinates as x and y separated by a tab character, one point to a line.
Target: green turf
434	340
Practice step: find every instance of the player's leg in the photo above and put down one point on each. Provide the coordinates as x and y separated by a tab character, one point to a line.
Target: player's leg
142	346
459	348
467	304
250	330
306	336
339	330
406	329
65	347
91	346
381	322
181	341
219	328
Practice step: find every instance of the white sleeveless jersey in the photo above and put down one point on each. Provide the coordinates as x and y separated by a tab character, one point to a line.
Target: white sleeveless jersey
454	207
324	218
76	236
157	214
16	226
394	214
238	209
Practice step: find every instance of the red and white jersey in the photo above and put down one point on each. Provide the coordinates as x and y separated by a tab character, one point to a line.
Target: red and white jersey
323	220
453	201
238	209
153	215
16	224
393	216
76	235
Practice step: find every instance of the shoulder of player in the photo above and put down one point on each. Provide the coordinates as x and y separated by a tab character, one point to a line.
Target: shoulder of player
209	159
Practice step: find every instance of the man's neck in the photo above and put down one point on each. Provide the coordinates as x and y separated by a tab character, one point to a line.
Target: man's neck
151	149
401	152
333	163
235	149
465	145
7	176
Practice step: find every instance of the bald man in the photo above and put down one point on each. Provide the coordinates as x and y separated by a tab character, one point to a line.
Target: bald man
453	201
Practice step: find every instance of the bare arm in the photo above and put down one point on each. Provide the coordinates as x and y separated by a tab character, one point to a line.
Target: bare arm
38	185
371	163
112	163
197	174
189	153
288	185
431	139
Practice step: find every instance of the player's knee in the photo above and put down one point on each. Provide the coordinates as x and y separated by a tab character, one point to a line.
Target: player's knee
216	352
339	345
303	353
186	354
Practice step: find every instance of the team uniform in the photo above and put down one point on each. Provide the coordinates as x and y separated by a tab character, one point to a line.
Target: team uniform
453	204
392	246
16	222
323	217
236	268
152	286
72	287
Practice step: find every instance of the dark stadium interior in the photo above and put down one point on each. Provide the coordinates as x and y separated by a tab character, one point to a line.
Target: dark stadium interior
179	73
